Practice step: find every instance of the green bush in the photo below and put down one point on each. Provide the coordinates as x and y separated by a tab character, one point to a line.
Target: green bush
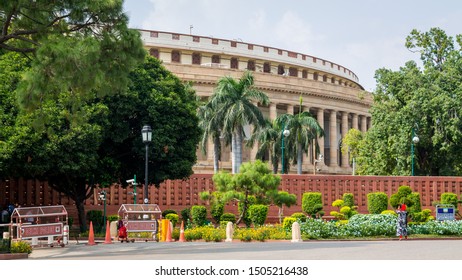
422	216
258	214
389	212
318	228
213	234
401	197
449	198
173	218
21	247
287	223
168	211
228	217
97	219
217	210
240	207
113	218
414	202
369	225
312	203
299	216
377	202
348	200
199	215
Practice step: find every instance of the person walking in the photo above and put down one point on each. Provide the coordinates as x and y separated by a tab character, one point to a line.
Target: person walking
401	227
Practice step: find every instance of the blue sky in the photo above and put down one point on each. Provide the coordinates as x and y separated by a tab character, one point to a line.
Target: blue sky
360	35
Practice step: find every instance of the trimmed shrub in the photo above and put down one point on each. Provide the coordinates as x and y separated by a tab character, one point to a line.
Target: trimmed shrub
449	198
318	228
401	197
246	219
422	216
113	218
312	203
414	202
258	214
338	203
299	216
168	211
389	212
228	217
217	210
199	215
173	218
370	225
186	214
287	223
348	200
21	247
377	202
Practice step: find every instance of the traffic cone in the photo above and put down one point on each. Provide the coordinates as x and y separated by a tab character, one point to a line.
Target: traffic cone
182	238
91	235
169	232
108	239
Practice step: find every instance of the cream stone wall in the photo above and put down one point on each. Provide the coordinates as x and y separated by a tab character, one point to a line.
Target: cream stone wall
335	98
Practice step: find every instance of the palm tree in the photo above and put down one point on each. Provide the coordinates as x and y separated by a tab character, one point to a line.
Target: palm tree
211	124
268	138
304	130
233	101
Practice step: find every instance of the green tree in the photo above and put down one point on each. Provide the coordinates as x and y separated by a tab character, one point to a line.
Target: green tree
253	179
282	199
234	101
304	130
427	101
87	39
105	145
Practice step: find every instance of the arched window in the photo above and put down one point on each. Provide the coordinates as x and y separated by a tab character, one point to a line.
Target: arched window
293	72
281	70
315	76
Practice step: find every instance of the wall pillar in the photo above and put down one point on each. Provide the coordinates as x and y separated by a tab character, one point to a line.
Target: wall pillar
333	138
344	132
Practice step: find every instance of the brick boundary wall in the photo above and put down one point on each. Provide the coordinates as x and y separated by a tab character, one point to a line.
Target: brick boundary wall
180	194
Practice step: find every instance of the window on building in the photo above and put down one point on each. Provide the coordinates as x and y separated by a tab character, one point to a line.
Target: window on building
324	78
332	80
154	53
293	72
215	59
176	56
154	34
266	67
175	36
315	76
304	74
251	65
234	63
281	70
196	58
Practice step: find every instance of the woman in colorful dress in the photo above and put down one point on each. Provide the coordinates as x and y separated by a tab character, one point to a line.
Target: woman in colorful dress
401	227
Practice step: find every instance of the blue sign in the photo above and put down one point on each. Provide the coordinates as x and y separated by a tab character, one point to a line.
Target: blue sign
445	212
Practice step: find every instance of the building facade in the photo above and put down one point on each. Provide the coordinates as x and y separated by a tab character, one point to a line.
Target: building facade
330	92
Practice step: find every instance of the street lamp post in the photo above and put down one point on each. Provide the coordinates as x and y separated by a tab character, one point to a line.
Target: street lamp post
285	133
102	196
415	140
146	134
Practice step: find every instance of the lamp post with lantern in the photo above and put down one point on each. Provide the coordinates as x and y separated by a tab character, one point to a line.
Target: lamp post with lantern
415	140
285	133
146	134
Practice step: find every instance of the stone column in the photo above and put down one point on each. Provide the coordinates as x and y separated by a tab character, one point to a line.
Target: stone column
344	132
355	121
272	111
290	109
363	123
320	118
333	138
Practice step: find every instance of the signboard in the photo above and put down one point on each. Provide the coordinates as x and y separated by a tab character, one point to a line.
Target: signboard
140	226
29	231
445	212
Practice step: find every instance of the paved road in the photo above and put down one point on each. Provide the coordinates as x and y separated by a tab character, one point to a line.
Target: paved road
281	250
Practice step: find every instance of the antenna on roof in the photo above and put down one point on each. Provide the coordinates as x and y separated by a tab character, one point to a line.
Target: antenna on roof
190	29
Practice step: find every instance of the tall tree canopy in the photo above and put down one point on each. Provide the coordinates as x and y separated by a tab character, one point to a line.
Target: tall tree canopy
425	100
81	47
105	145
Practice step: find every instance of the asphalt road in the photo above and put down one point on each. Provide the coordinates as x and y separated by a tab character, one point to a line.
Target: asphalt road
271	250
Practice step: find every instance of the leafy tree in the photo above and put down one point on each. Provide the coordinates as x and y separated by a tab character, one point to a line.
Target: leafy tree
105	145
304	130
282	199
234	102
351	144
253	179
66	39
427	101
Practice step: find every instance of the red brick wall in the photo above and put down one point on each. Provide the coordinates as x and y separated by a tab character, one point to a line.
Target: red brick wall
178	194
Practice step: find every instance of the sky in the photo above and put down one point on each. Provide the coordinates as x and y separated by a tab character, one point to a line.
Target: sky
361	35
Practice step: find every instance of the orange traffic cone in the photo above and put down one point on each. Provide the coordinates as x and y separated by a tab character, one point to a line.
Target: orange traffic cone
91	235
108	239
182	238
169	232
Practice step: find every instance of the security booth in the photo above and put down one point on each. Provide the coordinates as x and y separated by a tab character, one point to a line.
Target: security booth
140	217
39	223
445	212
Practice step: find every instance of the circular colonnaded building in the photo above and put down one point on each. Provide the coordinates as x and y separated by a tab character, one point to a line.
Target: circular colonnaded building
330	92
